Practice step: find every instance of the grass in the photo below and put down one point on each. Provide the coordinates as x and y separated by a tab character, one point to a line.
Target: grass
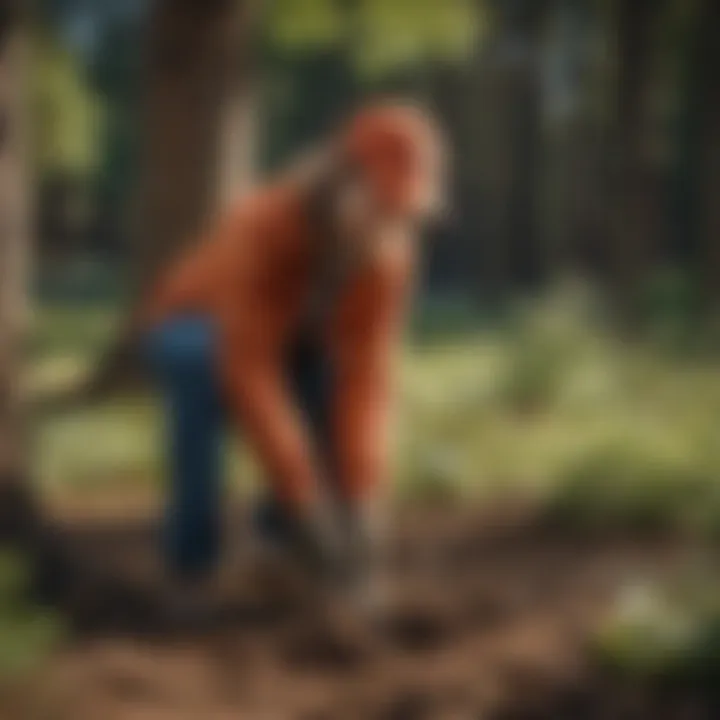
550	406
28	633
600	434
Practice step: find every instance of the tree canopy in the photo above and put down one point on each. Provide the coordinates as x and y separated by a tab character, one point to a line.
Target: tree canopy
68	114
379	35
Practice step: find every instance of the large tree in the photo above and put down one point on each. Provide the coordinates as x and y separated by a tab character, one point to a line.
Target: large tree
196	119
195	150
197	114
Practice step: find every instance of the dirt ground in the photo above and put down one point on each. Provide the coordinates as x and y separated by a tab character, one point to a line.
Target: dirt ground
491	621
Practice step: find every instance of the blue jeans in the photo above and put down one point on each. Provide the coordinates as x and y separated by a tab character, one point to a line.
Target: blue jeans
182	354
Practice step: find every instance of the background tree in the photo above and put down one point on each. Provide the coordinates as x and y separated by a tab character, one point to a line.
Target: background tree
17	512
571	66
697	151
196	118
506	110
632	189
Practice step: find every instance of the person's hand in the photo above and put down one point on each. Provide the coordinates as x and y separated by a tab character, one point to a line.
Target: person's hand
317	541
364	586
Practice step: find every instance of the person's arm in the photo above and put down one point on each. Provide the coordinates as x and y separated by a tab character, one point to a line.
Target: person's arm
252	372
364	341
262	408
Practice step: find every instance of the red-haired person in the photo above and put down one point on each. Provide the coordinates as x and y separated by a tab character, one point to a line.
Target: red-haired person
284	322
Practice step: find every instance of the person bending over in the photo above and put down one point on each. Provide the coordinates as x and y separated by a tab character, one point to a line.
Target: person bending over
284	321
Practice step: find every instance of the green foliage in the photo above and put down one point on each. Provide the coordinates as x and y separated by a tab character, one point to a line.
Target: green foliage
636	485
678	316
646	633
548	340
300	24
619	435
68	116
667	632
380	35
533	375
27	633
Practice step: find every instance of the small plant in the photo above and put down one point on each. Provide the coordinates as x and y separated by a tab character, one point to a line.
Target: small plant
633	485
646	634
665	633
549	339
27	633
533	377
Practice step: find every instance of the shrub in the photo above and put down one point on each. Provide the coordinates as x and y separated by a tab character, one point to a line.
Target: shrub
635	485
27	633
666	633
550	338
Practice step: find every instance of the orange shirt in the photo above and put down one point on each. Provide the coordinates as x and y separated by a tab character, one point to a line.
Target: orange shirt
253	274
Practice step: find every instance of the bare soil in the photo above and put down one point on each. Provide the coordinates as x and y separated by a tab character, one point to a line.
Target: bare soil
491	621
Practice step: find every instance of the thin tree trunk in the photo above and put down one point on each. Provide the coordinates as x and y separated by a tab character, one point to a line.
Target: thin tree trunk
708	57
197	123
524	235
504	145
567	182
17	515
485	176
695	187
631	181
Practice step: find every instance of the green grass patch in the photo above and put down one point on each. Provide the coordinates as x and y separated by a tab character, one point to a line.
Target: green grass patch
550	405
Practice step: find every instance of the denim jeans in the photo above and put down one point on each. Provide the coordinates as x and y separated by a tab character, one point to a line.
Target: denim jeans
182	353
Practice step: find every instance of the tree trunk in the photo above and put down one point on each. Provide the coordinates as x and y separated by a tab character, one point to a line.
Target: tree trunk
504	144
632	187
523	229
484	175
569	183
708	60
196	151
17	516
197	123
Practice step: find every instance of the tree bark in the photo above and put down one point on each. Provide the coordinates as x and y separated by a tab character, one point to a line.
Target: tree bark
632	183
504	143
569	181
17	509
198	120
197	123
708	57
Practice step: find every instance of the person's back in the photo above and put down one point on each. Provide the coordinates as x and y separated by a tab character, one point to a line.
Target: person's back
261	245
